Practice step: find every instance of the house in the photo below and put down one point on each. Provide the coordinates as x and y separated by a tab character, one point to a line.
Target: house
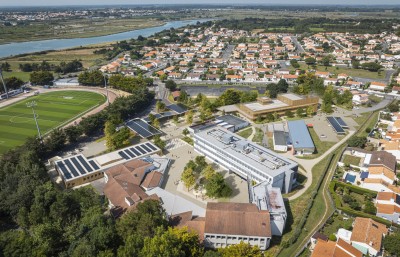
194	76
377	86
388	206
360	99
367	236
330	81
176	94
322	74
334	249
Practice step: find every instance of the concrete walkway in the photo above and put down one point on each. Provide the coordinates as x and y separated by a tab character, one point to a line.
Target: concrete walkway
308	164
253	133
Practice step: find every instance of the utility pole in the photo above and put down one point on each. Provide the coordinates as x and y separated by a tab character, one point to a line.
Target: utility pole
105	86
4	83
32	105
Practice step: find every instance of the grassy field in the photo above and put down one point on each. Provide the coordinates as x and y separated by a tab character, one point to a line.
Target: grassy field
258	136
53	109
349	71
85	55
321	146
245	132
352	160
74	28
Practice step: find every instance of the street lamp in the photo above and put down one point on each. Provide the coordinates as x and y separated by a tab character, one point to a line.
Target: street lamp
32	105
105	86
4	84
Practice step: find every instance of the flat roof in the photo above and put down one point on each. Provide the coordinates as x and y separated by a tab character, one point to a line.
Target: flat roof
300	135
280	138
231	120
79	166
260	158
178	108
275	103
292	96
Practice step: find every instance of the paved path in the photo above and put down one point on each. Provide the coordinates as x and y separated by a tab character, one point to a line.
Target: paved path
250	138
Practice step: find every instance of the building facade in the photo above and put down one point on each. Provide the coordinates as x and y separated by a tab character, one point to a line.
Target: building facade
246	159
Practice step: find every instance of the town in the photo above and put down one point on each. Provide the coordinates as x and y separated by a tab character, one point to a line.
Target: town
210	140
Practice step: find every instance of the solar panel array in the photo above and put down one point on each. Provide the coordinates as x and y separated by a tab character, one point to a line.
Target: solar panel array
78	165
160	116
335	125
142	128
178	108
341	122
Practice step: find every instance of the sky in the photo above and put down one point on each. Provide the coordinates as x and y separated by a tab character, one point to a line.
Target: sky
241	2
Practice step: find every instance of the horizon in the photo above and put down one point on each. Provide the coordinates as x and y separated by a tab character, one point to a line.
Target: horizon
120	3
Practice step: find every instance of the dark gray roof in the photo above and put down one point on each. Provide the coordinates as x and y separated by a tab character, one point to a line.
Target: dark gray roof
232	120
280	138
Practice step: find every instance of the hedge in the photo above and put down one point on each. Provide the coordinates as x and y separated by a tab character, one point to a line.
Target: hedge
355	189
365	215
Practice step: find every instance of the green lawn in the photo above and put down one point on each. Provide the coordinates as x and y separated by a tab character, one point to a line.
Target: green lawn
258	137
352	160
349	71
245	133
52	109
335	222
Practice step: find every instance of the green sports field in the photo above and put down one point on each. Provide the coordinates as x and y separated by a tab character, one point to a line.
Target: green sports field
52	109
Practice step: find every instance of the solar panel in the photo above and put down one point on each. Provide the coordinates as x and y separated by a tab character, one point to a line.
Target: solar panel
177	108
140	149
64	170
135	151
84	163
151	146
138	129
148	127
71	168
78	166
341	122
129	153
126	157
146	148
335	125
94	165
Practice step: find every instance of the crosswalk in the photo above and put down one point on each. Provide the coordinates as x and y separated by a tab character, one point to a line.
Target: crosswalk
175	143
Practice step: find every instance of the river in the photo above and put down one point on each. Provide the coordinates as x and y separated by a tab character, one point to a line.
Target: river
7	50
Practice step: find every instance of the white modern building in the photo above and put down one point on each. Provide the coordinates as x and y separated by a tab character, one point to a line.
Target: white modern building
245	158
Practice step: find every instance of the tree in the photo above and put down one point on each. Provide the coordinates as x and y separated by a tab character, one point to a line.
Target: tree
12	83
230	96
310	61
294	64
159	142
41	77
188	178
393	107
391	243
185	132
175	119
151	118
241	250
5	66
171	85
174	242
310	110
326	60
289	114
91	78
300	112
356	141
160	106
216	187
189	117
332	237
282	86
183	97
272	90
200	162
163	77
115	139
156	123
369	208
371	66
327	99
73	133
56	140
208	172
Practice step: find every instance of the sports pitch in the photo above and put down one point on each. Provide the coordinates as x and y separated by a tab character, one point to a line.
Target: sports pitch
52	109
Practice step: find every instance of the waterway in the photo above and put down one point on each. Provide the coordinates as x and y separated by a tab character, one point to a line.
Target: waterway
7	50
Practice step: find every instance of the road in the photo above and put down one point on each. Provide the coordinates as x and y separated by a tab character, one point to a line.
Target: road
299	47
336	43
228	52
